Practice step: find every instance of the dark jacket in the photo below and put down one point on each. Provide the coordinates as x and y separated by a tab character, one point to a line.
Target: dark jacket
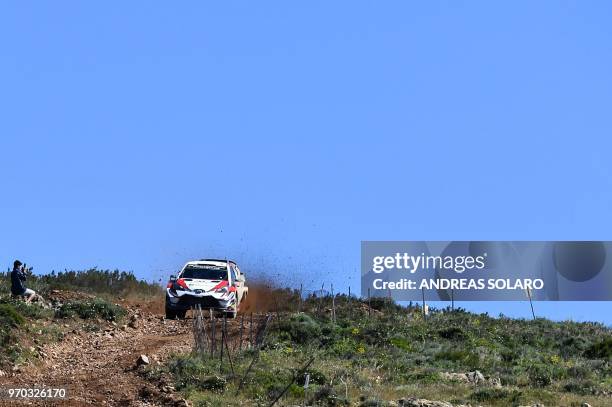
18	277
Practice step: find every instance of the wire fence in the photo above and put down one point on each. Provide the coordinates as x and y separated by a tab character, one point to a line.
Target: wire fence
217	337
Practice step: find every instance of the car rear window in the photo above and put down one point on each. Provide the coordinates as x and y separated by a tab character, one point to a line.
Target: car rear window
205	272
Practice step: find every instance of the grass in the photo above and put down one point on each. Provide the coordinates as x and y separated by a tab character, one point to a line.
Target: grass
104	283
601	349
366	357
25	325
10	319
90	309
373	358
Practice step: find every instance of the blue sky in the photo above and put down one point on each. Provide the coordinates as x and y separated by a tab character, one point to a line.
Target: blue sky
138	136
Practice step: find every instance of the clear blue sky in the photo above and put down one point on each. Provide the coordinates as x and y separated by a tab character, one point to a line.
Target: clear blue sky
138	136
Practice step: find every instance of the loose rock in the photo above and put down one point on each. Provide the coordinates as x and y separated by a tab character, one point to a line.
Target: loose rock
142	360
414	402
475	378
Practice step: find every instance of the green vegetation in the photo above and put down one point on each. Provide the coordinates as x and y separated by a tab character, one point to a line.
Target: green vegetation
108	283
600	350
10	318
371	358
367	356
18	321
23	326
90	309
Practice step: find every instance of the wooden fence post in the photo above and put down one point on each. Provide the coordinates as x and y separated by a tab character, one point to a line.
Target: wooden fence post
350	311
213	333
369	304
333	304
223	327
229	357
261	336
251	332
322	299
424	313
241	331
199	332
300	300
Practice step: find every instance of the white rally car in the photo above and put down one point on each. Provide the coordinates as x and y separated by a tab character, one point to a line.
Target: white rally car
210	283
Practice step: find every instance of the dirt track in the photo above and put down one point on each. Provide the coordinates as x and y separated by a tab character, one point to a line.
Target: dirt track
99	368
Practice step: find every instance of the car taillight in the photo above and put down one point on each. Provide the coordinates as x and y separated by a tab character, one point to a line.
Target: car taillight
169	285
182	284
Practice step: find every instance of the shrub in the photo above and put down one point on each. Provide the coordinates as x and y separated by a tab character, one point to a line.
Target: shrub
391	354
384	304
600	350
316	377
113	282
275	390
30	311
89	309
581	387
423	376
574	345
509	356
346	347
580	372
401	343
453	333
190	371
326	396
493	394
540	375
296	391
213	383
10	317
467	358
375	333
372	403
330	334
301	328
266	382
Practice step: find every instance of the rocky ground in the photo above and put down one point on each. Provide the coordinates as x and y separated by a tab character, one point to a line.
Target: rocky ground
101	368
106	363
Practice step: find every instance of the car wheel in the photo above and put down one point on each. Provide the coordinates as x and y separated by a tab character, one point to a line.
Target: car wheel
181	314
231	314
170	314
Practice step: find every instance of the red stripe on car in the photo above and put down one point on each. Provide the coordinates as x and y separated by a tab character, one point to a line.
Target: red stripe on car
220	285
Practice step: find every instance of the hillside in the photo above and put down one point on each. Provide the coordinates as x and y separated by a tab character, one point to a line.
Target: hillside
90	336
379	356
